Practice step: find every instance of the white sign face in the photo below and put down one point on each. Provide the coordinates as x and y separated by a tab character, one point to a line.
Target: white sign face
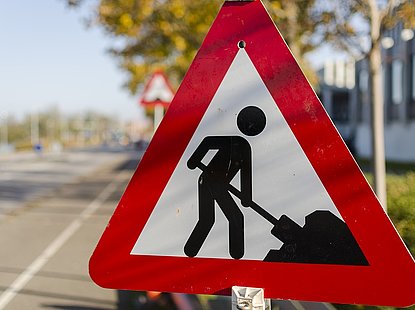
283	181
157	90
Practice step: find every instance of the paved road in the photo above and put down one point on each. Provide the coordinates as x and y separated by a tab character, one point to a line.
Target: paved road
46	246
47	243
26	176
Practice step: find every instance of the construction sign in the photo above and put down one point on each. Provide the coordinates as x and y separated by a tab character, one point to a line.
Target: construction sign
247	182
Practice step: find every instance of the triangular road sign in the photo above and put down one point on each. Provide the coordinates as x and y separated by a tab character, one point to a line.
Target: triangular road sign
157	90
247	182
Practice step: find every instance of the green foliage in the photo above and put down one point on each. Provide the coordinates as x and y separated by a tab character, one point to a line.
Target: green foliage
401	206
401	210
360	307
300	24
81	129
401	200
350	24
158	34
153	34
18	131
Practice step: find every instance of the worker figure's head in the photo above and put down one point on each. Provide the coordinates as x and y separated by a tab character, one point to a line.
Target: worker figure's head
251	121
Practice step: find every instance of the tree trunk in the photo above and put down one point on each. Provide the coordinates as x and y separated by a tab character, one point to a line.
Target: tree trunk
377	114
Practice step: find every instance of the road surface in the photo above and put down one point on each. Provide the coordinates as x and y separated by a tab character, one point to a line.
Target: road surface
47	243
57	208
27	176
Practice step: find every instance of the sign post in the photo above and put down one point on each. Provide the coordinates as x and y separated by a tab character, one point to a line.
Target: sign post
158	94
247	181
158	115
249	298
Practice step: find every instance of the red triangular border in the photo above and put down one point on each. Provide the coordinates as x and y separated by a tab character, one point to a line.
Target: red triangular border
144	102
389	280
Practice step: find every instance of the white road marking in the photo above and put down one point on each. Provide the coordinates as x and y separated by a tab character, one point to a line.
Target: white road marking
328	306
297	305
56	244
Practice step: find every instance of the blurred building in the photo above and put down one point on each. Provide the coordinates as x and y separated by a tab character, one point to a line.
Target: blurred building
337	81
344	91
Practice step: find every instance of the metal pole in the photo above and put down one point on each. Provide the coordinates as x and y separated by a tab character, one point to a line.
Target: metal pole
158	115
249	298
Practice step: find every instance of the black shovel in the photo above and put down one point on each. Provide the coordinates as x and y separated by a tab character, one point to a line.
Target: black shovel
324	239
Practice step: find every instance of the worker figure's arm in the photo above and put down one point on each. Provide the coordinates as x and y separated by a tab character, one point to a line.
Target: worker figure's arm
246	177
200	152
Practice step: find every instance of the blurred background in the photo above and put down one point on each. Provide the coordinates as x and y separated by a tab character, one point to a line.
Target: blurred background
75	121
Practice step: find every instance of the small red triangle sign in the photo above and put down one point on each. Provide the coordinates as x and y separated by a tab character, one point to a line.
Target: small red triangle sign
247	183
157	90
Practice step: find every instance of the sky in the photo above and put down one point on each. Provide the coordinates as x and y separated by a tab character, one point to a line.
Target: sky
48	57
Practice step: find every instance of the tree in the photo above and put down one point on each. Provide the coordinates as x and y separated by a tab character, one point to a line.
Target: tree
154	34
357	26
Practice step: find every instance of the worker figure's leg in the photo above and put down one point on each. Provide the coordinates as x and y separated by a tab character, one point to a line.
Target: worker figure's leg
206	219
236	223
